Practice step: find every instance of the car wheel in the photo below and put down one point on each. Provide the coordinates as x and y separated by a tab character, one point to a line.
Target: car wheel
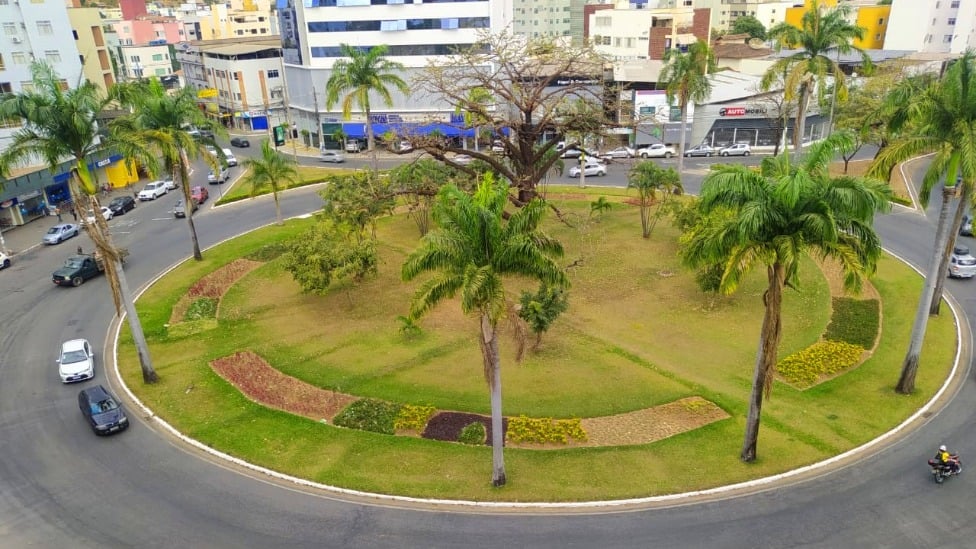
6	263
745	153
668	155
77	281
725	154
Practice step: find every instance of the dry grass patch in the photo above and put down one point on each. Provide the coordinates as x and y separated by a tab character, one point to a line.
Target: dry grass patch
213	285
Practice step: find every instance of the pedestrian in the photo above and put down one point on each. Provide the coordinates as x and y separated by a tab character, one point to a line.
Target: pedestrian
74	214
57	212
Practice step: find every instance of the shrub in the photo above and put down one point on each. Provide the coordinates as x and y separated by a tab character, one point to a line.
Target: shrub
369	414
268	252
806	367
854	321
545	430
205	307
413	418
473	433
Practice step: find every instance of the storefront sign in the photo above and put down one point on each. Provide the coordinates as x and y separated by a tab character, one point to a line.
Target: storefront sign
207	93
741	111
103	163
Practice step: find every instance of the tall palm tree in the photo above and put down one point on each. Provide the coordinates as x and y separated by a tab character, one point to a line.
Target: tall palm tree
268	172
61	124
823	35
359	76
686	75
471	253
773	218
162	121
942	118
648	178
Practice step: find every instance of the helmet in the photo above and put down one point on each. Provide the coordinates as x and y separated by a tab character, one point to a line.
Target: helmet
942	448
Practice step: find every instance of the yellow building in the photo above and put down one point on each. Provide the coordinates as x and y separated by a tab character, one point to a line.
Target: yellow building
872	17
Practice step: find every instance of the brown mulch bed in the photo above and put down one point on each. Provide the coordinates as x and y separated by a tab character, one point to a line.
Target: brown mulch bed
447	426
263	384
214	285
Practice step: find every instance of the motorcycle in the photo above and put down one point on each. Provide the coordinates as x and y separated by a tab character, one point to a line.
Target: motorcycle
942	471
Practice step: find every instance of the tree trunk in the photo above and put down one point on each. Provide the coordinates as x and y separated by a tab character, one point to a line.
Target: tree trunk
371	139
799	126
493	373
936	304
135	326
906	383
274	194
681	143
188	202
762	381
645	212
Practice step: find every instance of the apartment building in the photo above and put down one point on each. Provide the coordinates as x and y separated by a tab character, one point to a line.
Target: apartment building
725	12
157	58
868	14
93	46
623	32
932	26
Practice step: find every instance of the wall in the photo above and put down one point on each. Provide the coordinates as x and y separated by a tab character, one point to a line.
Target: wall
875	20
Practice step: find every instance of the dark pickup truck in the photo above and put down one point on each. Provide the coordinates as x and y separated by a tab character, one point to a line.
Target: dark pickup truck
79	268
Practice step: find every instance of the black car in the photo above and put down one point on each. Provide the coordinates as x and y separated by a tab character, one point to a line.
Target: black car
121	204
239	142
102	410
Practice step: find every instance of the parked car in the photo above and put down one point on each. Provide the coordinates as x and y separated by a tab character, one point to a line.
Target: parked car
966	228
121	204
60	233
4	260
229	157
76	361
462	159
219	177
199	194
700	150
497	146
206	134
736	149
169	183
592	168
106	214
239	142
619	152
329	155
571	153
353	146
657	150
961	263
102	410
153	190
404	146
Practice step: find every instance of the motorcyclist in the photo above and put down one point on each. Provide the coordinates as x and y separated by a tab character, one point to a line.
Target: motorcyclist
949	461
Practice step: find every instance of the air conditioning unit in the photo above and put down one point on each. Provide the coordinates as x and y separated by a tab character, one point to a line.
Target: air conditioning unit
17	40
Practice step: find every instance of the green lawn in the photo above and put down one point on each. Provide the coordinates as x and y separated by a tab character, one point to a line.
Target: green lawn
307	175
638	333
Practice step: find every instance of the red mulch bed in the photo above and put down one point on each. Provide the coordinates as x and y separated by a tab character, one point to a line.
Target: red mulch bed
447	426
215	284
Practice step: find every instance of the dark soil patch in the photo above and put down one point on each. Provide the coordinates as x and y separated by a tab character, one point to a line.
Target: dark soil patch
447	426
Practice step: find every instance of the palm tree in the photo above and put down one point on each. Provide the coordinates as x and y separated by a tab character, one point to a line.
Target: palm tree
359	76
648	179
161	121
942	118
60	124
472	252
773	218
824	33
268	172
687	78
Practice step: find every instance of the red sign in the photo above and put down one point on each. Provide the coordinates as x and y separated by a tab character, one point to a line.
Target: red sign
733	111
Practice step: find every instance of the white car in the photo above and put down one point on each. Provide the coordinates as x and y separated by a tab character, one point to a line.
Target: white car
619	152
153	190
4	260
229	157
462	159
219	177
738	149
961	263
77	361
657	150
106	214
170	184
591	169
330	155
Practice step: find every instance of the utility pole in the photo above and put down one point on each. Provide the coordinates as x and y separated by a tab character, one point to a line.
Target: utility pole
294	146
318	119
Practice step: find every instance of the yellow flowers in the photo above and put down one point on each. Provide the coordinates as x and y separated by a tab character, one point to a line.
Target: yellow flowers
826	358
545	430
413	418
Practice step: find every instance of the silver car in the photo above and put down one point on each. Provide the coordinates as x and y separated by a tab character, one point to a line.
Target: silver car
332	156
59	233
76	361
737	149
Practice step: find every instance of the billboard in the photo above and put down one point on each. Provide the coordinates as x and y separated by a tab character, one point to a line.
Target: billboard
652	107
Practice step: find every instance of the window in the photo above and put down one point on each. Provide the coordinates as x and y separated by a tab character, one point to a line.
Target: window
6	88
617	41
395	25
947	39
236	75
9	29
881	21
603	21
237	96
4	2
20	58
157	57
953	4
134	58
161	72
451	23
2	65
45	28
52	56
877	36
344	3
952	20
27	86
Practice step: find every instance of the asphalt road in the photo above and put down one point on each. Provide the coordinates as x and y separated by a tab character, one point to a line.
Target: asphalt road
62	487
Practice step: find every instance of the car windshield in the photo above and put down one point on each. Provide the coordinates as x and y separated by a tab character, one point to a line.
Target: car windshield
54	230
116	202
106	405
74	263
70	357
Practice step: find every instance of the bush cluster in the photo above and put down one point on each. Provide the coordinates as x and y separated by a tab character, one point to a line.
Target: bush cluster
545	430
413	418
369	414
806	367
199	309
854	321
473	433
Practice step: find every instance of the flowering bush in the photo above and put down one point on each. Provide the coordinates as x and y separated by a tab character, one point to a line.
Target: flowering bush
806	367
545	430
413	418
369	415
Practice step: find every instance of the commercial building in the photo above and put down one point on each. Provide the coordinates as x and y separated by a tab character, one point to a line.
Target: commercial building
623	32
932	26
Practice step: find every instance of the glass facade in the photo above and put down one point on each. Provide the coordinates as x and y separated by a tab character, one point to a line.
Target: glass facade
400	24
396	51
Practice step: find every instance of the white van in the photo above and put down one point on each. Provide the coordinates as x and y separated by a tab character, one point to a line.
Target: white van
231	159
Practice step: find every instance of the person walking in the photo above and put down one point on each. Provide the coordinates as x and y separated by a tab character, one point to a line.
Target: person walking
57	212
74	214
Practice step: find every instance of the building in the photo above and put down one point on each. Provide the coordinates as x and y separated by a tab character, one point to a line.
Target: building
415	32
932	26
157	58
93	46
873	18
238	81
234	20
622	32
725	12
740	53
149	29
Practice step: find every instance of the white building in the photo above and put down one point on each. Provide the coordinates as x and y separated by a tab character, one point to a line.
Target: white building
415	32
147	60
35	31
932	26
725	12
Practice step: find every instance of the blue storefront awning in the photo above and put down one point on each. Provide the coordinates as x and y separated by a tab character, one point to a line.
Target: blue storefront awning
357	130
62	177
